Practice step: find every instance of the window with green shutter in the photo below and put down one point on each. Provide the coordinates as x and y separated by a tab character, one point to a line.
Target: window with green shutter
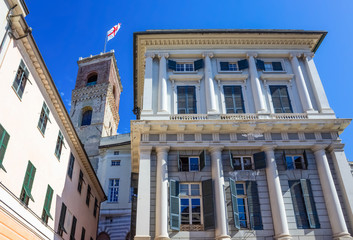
44	118
174	205
186	100
70	168
59	145
73	228
21	78
208	204
28	183
4	140
259	160
233	98
61	228
47	203
80	181
280	99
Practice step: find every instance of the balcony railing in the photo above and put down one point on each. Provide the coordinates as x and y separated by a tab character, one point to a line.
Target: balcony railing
288	116
189	117
241	116
249	116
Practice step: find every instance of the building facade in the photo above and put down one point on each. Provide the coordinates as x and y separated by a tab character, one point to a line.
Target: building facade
48	188
235	138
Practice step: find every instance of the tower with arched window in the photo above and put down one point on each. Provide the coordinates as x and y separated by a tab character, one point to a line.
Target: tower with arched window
95	101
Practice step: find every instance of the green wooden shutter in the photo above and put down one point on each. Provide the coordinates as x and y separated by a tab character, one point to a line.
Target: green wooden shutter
309	203
174	205
208	206
224	66
62	217
254	205
47	203
179	163
73	228
172	65
243	64
284	159
305	159
231	159
202	157
28	181
4	139
277	66
70	169
198	64
233	192
259	160
260	65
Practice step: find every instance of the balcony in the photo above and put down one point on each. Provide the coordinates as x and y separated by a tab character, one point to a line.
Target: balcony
241	117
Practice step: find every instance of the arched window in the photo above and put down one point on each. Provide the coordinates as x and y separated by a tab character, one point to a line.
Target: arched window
103	236
86	117
92	79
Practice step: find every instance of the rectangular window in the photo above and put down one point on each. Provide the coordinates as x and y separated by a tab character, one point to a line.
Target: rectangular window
242	163
47	203
28	183
113	190
61	228
59	145
116	152
70	169
233	98
21	78
189	164
190	203
186	100
115	163
95	207
273	66
229	66
295	162
88	196
4	140
43	119
73	228
303	204
184	67
80	181
83	233
280	99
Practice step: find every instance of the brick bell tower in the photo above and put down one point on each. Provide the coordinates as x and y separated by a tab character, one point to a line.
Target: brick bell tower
95	101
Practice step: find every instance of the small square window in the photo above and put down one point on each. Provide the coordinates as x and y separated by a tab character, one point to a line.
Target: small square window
116	152
242	163
189	164
185	67
295	162
115	163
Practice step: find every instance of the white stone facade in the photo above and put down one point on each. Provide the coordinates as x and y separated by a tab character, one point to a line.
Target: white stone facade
250	106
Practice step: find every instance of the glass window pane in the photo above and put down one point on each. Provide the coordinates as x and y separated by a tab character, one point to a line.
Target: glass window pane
240	190
289	161
184	189
237	163
247	163
194	164
195	189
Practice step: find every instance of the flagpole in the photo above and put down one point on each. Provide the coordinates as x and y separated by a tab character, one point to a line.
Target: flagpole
105	44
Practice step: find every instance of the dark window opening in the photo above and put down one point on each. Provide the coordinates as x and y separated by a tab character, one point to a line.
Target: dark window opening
86	118
92	80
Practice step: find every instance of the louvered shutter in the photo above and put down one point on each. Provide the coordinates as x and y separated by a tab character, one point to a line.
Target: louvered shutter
202	159
48	199
233	192
172	65
198	64
62	217
174	205
4	139
259	160
254	206
243	64
208	206
309	203
231	159
260	65
224	66
179	164
305	159
28	181
277	66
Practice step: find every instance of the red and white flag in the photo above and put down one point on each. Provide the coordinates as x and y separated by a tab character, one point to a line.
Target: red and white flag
112	32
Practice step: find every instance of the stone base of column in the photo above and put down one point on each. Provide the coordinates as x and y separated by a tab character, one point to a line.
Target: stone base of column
223	237
311	111
283	236
342	236
162	238
140	237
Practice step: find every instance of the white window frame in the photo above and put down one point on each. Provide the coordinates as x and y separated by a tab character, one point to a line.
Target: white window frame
271	60
288	84
198	164
242	163
111	198
190	204
185	61
293	161
115	161
245	197
229	60
242	84
175	94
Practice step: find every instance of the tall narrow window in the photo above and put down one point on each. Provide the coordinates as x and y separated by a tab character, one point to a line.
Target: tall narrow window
61	227
280	99
80	181
59	145
43	119
73	228
86	117
113	190
83	233
95	207
92	79
4	139
70	168
190	203
20	81
28	183
233	99
88	196
47	203
186	100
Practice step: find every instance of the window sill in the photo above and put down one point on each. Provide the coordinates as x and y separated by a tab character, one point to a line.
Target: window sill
274	71
224	71
186	77
232	77
185	72
276	76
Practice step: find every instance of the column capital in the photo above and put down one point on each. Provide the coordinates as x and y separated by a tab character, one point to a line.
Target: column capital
215	149
336	147
269	147
308	55
319	147
251	54
162	149
295	54
207	54
145	149
163	55
150	55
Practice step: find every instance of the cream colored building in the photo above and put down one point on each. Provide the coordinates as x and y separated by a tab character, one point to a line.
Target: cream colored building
48	188
235	138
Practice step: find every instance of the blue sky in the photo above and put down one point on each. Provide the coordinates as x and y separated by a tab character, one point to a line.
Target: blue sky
67	30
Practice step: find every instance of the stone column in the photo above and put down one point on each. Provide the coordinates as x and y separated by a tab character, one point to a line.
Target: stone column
257	92
301	85
316	84
147	89
209	85
333	205
162	86
162	193
278	210
143	195
220	207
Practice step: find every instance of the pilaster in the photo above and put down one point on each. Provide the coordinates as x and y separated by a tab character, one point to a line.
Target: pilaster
162	86
147	88
209	85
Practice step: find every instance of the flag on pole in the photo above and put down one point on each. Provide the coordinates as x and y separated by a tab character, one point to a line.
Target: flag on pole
112	32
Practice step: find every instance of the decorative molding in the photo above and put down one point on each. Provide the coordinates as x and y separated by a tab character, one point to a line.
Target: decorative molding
185	77
165	55
273	76
232	77
251	54
208	54
150	55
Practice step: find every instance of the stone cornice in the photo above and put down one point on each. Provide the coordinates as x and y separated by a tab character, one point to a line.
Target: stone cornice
19	27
